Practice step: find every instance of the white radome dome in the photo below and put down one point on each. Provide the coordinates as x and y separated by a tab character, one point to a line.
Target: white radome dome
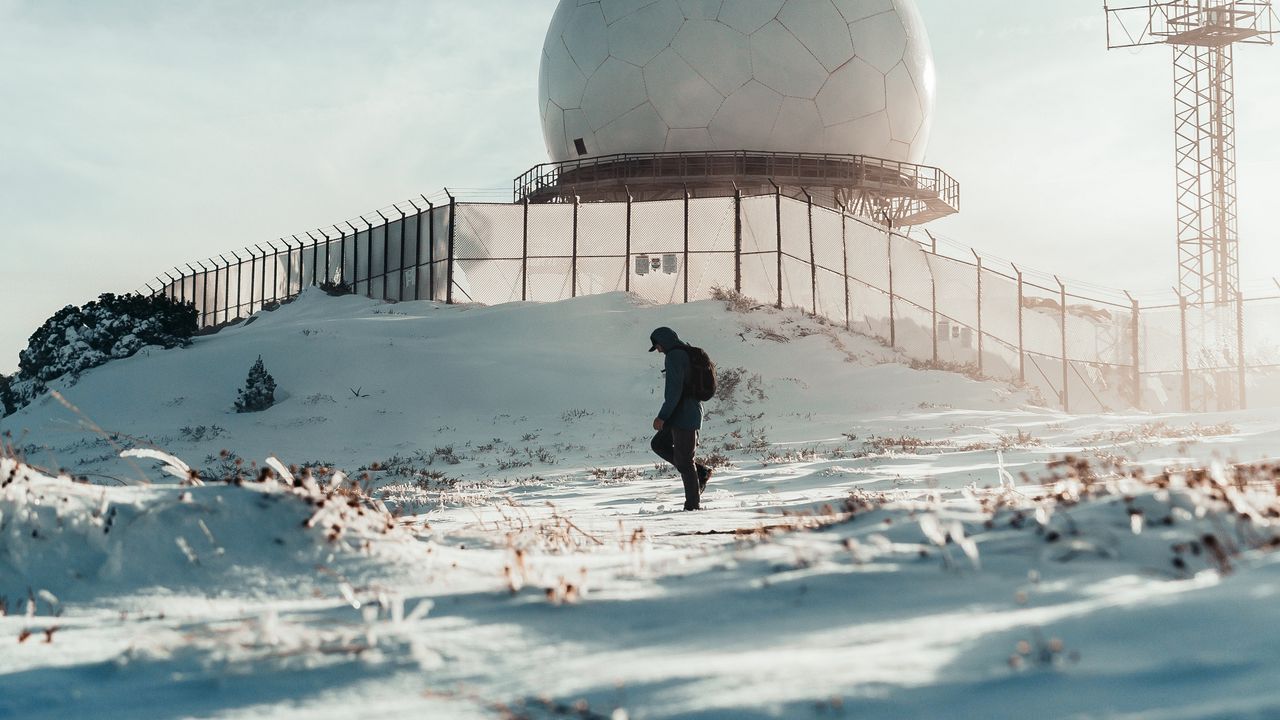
820	76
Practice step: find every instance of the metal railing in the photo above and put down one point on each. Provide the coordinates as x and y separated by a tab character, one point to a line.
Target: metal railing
861	173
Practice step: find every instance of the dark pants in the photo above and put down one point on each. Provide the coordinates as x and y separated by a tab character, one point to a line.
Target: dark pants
676	446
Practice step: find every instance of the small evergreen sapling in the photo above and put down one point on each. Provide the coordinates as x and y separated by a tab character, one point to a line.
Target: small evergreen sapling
259	392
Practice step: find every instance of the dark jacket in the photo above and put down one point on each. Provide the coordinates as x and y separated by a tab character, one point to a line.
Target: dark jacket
680	409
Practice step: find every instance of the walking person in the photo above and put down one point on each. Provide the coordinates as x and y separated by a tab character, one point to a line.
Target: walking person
680	417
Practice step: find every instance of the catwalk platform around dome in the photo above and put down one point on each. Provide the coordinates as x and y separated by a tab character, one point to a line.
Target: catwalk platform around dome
898	192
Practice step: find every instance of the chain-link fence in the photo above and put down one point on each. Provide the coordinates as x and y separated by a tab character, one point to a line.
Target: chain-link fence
1095	352
403	256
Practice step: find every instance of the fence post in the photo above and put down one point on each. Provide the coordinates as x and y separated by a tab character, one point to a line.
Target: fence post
288	268
194	273
980	346
210	313
288	257
453	217
1240	347
1022	349
777	213
386	254
737	239
355	259
524	255
431	248
573	272
933	299
253	276
1136	351
1066	362
417	251
172	286
685	264
386	246
368	257
893	324
252	279
302	265
400	289
328	242
227	291
275	274
1186	370
844	269
262	296
225	270
288	271
315	257
264	274
813	258
217	276
626	263
342	256
204	293
239	281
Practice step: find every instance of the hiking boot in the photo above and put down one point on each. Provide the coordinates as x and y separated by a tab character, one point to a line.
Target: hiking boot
704	474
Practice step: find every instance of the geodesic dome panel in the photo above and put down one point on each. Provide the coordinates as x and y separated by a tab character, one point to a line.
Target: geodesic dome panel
821	76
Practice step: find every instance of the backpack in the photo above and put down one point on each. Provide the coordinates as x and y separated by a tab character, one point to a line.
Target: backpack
701	382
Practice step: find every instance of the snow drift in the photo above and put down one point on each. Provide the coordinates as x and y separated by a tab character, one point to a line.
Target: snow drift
77	541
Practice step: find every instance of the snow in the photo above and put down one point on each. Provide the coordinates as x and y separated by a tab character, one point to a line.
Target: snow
885	542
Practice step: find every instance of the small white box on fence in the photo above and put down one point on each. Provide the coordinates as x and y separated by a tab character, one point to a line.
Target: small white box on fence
966	337
642	264
669	264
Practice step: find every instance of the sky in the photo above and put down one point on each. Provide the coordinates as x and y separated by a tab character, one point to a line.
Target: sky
142	134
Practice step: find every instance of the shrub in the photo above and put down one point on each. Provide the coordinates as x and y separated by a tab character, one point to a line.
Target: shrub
8	400
259	391
734	301
336	288
113	326
76	339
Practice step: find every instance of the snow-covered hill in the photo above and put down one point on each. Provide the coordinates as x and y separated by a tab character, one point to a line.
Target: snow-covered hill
878	541
361	382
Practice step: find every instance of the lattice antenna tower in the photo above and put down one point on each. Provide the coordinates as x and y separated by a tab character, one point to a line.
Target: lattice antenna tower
1202	34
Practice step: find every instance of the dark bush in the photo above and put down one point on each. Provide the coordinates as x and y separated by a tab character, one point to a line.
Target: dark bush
8	400
113	326
259	391
336	288
78	338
